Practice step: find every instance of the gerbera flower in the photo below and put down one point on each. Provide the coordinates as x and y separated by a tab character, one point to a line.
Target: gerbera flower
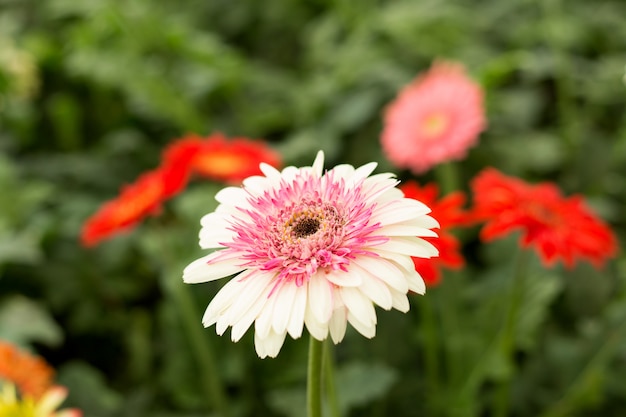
26	386
11	404
32	375
449	213
311	248
557	227
135	202
434	119
220	159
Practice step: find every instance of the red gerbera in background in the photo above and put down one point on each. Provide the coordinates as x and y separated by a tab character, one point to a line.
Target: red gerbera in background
556	226
213	157
219	159
448	212
136	201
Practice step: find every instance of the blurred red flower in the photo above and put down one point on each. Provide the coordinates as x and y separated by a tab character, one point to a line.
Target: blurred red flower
434	119
213	157
219	159
136	201
556	226
448	212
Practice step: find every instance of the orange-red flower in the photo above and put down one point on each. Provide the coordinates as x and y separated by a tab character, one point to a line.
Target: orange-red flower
557	227
26	386
220	159
136	201
30	374
213	157
449	213
434	119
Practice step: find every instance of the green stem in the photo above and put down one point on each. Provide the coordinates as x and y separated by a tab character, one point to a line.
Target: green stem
201	346
502	400
314	378
447	177
431	345
329	379
567	404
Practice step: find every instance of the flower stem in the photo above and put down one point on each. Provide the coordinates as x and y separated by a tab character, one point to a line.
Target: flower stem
201	347
314	378
502	400
431	345
329	379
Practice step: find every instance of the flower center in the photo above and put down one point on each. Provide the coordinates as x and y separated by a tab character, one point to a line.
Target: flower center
305	227
434	125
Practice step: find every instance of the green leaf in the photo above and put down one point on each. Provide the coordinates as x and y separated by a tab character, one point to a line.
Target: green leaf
360	383
24	321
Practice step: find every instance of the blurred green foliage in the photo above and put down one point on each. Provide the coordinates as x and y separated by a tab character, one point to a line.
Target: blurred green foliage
92	90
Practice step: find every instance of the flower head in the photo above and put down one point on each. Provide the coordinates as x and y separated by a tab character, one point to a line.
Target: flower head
449	213
26	386
311	248
220	159
136	201
434	119
32	375
557	227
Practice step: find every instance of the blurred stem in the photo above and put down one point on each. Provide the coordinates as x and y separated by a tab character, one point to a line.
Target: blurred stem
447	176
201	346
552	11
450	326
431	345
329	379
314	378
567	403
502	400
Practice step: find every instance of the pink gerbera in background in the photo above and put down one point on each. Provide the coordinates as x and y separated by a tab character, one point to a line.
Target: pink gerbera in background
435	119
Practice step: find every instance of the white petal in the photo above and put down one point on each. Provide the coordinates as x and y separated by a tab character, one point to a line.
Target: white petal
343	278
318	163
232	196
296	321
201	270
384	270
318	330
359	305
269	345
285	298
220	303
377	291
403	261
416	282
253	292
320	297
400	301
338	323
403	229
366	330
343	171
412	246
363	172
256	185
270	172
398	211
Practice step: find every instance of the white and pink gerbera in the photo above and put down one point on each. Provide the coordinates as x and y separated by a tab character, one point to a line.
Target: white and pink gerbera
311	248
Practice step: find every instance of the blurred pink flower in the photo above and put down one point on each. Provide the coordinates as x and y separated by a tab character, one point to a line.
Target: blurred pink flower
434	119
